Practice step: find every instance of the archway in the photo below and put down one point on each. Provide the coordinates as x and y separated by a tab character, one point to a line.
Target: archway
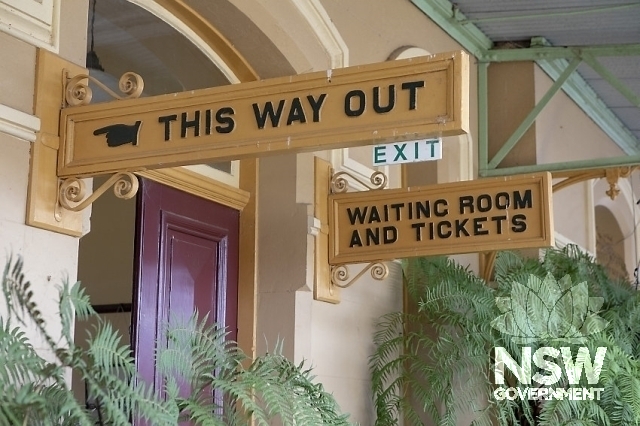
610	250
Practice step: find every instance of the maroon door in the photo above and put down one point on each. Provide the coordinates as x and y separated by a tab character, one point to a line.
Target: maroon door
187	259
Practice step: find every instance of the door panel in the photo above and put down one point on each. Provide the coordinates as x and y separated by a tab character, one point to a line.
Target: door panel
187	259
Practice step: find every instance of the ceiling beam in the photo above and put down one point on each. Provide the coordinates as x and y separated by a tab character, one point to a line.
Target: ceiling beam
537	53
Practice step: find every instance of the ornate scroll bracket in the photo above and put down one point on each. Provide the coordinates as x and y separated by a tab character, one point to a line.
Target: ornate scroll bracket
77	91
339	182
612	176
340	274
72	192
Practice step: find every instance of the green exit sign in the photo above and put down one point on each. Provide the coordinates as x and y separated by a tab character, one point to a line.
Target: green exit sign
407	152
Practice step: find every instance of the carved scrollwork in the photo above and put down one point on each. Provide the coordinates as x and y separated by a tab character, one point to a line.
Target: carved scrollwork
72	192
77	91
340	183
612	175
340	274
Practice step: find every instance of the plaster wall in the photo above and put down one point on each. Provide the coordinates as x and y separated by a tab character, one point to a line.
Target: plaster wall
49	257
336	339
565	133
511	97
373	31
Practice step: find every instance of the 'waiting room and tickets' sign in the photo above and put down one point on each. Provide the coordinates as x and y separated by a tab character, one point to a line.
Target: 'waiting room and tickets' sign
488	214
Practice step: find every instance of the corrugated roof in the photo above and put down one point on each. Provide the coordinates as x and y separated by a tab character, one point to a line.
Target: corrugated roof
571	23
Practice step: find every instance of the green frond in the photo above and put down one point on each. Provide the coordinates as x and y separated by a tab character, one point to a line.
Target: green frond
198	360
437	359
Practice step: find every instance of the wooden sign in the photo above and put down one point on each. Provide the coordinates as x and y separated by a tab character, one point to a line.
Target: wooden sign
363	105
503	213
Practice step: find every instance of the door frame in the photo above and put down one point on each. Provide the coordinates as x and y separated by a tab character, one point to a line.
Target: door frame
242	199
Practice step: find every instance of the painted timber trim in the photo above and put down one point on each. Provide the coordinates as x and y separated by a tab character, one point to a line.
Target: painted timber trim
18	124
170	17
36	22
329	36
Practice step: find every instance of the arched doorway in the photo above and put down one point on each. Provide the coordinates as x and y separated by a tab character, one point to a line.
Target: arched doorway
610	250
168	250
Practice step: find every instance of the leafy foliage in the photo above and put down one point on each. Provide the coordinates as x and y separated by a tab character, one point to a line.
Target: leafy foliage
437	360
205	381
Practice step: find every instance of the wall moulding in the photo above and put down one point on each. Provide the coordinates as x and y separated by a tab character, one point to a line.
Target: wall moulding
18	124
35	22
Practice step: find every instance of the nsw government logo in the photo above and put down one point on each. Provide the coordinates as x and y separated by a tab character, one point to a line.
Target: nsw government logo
555	318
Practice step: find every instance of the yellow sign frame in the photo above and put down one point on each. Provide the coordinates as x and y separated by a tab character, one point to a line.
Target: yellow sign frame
362	105
511	212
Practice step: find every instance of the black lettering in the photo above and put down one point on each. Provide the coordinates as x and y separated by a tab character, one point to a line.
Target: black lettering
413	86
355	239
418	227
521	202
372	236
519	222
466	201
376	100
460	227
167	119
423	208
296	113
397	208
431	226
441	225
487	205
438	212
477	226
347	103
186	124
222	117
498	220
316	105
356	215
502	200
261	117
374	215
207	122
390	234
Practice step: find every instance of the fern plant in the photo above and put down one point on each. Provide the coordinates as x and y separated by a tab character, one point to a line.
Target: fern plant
205	382
437	361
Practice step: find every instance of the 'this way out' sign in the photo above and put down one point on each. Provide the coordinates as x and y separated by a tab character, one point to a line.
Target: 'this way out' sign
371	104
502	213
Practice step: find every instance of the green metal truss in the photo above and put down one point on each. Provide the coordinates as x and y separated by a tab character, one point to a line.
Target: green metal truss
560	64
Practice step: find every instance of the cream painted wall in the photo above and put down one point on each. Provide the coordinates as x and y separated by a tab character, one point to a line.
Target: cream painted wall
337	339
565	133
49	257
284	25
17	73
